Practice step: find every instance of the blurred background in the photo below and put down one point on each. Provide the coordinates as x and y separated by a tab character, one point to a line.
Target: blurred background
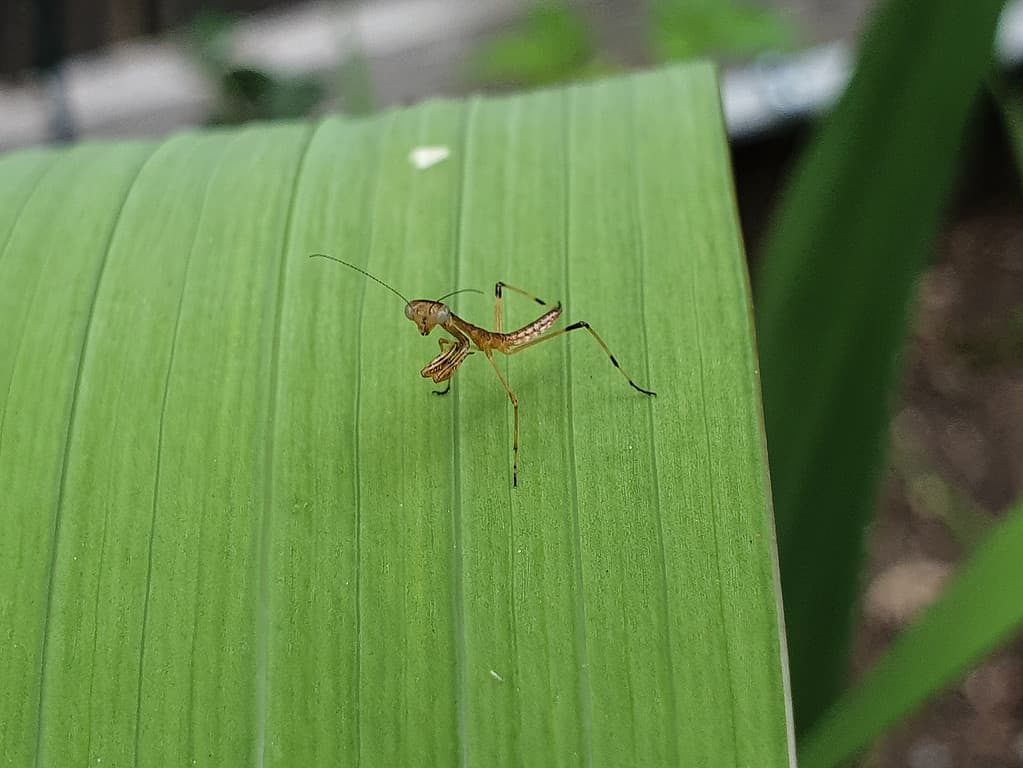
75	68
86	69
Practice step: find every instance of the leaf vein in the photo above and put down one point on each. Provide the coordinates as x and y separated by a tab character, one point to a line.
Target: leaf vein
263	608
65	459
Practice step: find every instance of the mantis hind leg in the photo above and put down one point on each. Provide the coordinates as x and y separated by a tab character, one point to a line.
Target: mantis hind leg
499	297
575	327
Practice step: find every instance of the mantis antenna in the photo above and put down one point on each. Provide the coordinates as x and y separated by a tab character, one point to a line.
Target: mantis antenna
359	269
378	280
460	290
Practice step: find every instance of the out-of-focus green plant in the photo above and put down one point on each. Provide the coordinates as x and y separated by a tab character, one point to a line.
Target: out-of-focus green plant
1009	95
354	84
248	93
978	611
1006	347
554	42
836	286
686	29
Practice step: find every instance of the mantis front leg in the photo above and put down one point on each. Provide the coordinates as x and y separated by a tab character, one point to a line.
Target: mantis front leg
443	344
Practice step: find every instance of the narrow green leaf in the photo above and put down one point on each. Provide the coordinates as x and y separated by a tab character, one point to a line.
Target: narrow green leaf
853	234
238	527
955	633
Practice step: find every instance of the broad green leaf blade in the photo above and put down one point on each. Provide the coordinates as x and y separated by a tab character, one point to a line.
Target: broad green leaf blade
239	528
955	633
833	296
50	263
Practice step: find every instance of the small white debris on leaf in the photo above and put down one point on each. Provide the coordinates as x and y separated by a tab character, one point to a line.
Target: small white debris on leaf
496	676
427	157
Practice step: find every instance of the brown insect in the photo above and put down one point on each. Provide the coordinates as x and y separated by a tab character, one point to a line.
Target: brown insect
428	314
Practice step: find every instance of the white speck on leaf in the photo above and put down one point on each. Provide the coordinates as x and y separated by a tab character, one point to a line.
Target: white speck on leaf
496	676
427	157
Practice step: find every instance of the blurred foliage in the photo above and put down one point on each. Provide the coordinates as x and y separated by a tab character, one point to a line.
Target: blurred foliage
253	94
836	285
1008	93
934	496
552	44
248	93
686	29
354	83
555	43
951	636
999	342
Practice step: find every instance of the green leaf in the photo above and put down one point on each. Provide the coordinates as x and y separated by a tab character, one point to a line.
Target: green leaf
853	234
955	633
238	526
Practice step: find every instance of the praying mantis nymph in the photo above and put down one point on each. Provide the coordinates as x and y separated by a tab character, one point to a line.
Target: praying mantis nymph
428	314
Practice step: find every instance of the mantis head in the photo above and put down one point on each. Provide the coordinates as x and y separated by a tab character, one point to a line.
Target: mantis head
427	314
